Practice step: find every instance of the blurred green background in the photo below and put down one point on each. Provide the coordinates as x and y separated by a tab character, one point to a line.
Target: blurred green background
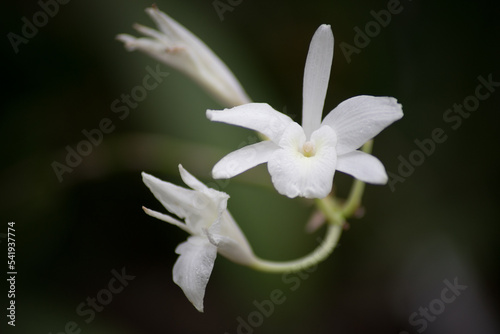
439	224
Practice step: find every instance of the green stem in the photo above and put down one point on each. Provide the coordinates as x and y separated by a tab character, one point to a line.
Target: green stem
353	201
334	230
319	254
331	209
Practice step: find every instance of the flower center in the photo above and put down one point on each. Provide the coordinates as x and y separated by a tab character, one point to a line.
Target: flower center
308	149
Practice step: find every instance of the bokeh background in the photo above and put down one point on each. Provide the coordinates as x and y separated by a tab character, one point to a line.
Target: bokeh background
440	224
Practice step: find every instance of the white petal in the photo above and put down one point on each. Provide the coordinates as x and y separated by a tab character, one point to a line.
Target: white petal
172	29
255	116
193	268
128	40
361	118
160	50
362	166
230	240
200	209
207	197
155	35
175	199
243	159
316	76
167	218
293	174
190	180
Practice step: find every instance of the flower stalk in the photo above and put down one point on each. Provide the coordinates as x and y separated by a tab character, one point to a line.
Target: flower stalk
353	201
319	254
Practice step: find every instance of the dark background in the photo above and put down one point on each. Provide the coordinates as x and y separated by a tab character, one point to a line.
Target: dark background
440	224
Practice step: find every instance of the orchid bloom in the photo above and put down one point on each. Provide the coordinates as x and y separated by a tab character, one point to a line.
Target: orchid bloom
210	225
302	159
177	47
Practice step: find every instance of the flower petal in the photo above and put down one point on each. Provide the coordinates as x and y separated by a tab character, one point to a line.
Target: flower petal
165	40
293	174
200	209
230	240
362	166
158	50
175	199
361	118
168	219
260	117
243	159
193	268
173	30
316	76
190	180
208	198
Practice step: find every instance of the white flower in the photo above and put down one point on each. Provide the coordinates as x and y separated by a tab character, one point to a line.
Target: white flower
178	47
211	227
302	160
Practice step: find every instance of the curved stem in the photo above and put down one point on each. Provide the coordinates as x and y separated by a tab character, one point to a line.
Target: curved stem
335	227
319	254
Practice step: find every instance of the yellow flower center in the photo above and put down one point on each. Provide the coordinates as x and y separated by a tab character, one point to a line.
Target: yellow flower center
308	149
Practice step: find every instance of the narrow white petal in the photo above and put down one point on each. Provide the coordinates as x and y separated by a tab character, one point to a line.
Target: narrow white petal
316	76
160	50
143	44
128	40
168	26
154	34
243	159
294	175
175	199
193	268
167	218
362	166
361	118
260	117
190	180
